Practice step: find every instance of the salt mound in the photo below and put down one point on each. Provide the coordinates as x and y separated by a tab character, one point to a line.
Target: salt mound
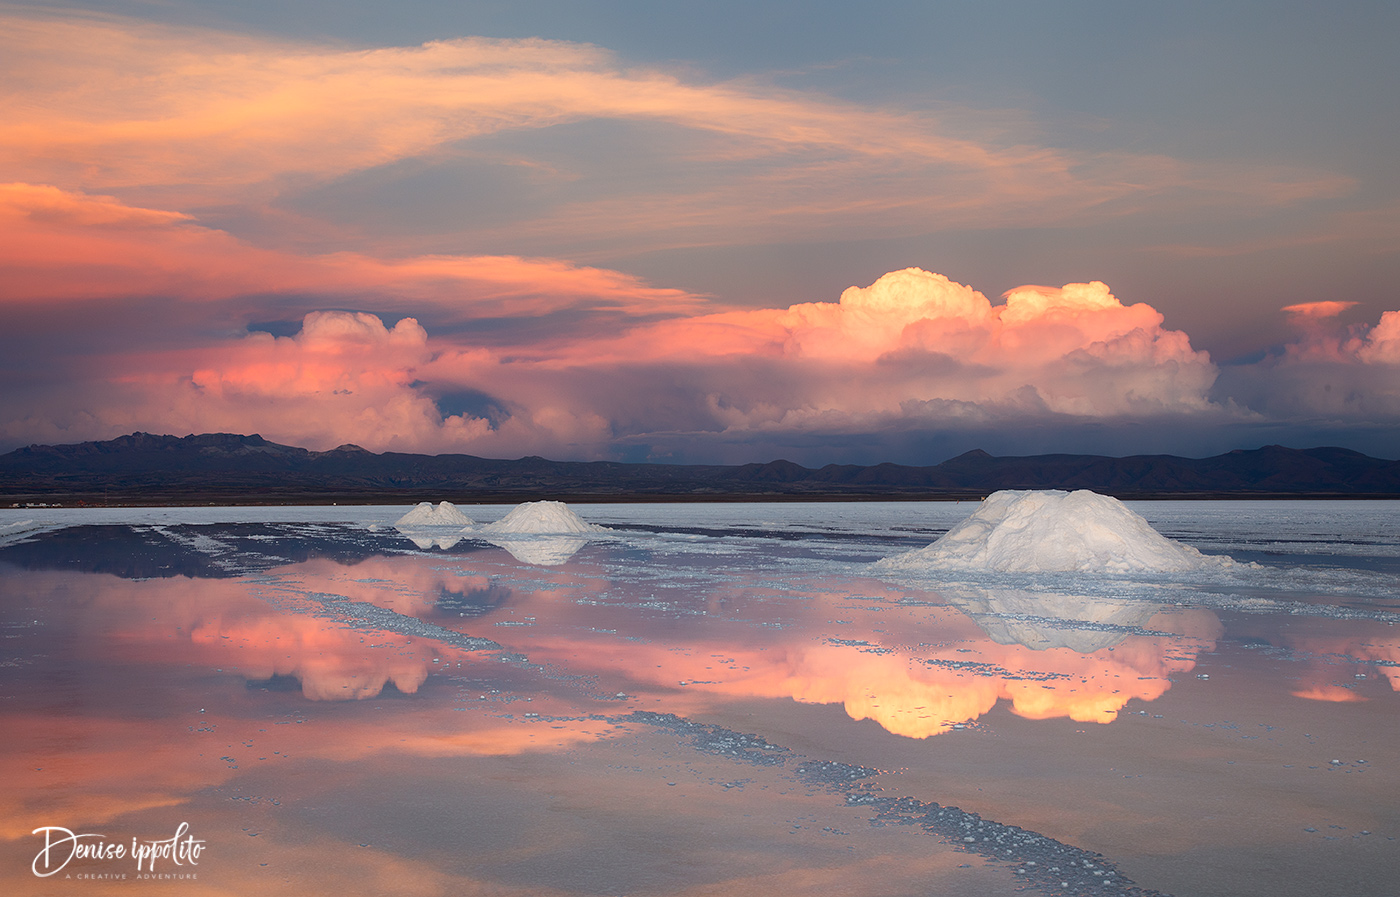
1053	532
445	514
542	517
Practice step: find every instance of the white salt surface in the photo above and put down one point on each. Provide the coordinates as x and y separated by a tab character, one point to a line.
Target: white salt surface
1306	548
541	518
445	514
15	530
1053	532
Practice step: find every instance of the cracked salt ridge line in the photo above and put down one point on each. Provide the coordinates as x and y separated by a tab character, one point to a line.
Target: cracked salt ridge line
361	613
1075	625
1040	860
221	555
1252	605
1054	622
978	668
1037	859
15	532
1184	592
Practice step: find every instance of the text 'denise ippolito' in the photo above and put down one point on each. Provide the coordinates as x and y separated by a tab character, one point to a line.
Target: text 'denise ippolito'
62	846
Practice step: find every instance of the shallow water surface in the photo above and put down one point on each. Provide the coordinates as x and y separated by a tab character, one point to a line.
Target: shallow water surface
709	699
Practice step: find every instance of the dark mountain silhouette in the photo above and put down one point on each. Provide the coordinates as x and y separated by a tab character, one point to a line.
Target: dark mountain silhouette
219	467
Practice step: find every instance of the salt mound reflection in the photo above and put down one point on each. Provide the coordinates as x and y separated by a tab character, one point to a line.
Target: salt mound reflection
1051	531
1041	621
544	551
427	541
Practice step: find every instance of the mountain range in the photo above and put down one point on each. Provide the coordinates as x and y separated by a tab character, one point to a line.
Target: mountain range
222	467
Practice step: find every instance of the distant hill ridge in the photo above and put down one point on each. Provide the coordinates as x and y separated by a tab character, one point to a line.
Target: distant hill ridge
227	464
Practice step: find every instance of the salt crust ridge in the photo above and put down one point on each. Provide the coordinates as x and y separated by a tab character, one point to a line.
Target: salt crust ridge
445	514
20	530
1050	531
542	518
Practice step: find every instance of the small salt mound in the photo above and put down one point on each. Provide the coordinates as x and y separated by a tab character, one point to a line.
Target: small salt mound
542	517
1053	532
445	514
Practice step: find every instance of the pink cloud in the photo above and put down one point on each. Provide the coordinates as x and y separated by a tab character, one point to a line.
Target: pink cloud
1330	374
1304	311
1381	344
914	336
61	245
201	117
345	377
913	350
1322	340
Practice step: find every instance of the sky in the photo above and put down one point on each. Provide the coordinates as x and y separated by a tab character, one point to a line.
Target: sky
715	232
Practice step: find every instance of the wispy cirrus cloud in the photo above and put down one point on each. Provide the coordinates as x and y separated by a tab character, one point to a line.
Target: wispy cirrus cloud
410	224
60	245
188	118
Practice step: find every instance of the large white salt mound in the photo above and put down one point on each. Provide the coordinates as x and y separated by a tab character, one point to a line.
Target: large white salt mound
445	514
1054	532
542	517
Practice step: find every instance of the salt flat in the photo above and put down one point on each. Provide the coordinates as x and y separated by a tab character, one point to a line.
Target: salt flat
708	698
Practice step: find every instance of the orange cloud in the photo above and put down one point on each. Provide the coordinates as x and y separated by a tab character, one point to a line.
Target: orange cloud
1327	309
1325	342
1320	338
1333	694
1330	374
912	350
1334	371
61	245
345	377
1380	345
914	338
201	117
127	138
911	347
